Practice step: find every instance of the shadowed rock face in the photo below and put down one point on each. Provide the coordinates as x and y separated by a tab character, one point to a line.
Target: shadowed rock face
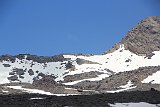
143	38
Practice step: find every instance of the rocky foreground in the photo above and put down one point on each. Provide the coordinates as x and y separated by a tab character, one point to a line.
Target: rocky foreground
97	100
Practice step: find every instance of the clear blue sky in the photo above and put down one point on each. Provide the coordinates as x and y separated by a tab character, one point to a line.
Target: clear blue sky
49	27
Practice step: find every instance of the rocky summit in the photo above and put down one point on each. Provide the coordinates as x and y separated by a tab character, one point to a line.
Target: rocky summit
132	64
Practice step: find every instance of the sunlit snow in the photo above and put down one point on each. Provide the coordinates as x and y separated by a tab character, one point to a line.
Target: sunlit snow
141	104
128	86
154	78
118	61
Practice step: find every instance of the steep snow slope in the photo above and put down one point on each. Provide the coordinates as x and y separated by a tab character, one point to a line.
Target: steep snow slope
118	61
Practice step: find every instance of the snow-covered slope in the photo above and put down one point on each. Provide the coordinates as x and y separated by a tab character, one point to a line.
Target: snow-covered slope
118	61
132	53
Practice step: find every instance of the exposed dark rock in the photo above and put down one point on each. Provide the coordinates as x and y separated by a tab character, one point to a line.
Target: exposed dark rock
48	79
11	73
96	100
152	89
6	65
128	60
37	71
20	56
48	83
82	61
39	59
41	74
30	71
45	59
7	58
136	76
13	78
19	71
20	76
70	66
119	79
80	90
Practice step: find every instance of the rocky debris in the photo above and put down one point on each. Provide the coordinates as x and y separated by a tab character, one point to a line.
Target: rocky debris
30	71
109	71
83	61
39	59
8	91
11	73
143	39
70	66
135	76
85	75
13	78
128	60
7	58
19	71
6	65
87	85
44	59
96	100
146	87
20	76
47	83
42	75
114	81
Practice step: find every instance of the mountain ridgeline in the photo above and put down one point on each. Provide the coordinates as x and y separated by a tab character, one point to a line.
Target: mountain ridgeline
143	38
132	64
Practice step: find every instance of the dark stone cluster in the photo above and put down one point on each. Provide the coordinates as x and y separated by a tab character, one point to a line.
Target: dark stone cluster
16	73
35	58
96	100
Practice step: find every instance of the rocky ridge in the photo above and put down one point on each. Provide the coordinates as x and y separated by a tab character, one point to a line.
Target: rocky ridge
122	68
143	39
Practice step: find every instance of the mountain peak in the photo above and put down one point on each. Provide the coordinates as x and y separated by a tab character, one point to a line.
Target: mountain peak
144	38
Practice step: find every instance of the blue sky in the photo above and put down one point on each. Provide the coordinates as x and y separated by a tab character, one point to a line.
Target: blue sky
49	27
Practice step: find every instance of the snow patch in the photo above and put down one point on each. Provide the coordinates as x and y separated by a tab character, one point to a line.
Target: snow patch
129	84
154	78
5	91
140	104
37	98
126	87
30	90
36	91
115	61
100	77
